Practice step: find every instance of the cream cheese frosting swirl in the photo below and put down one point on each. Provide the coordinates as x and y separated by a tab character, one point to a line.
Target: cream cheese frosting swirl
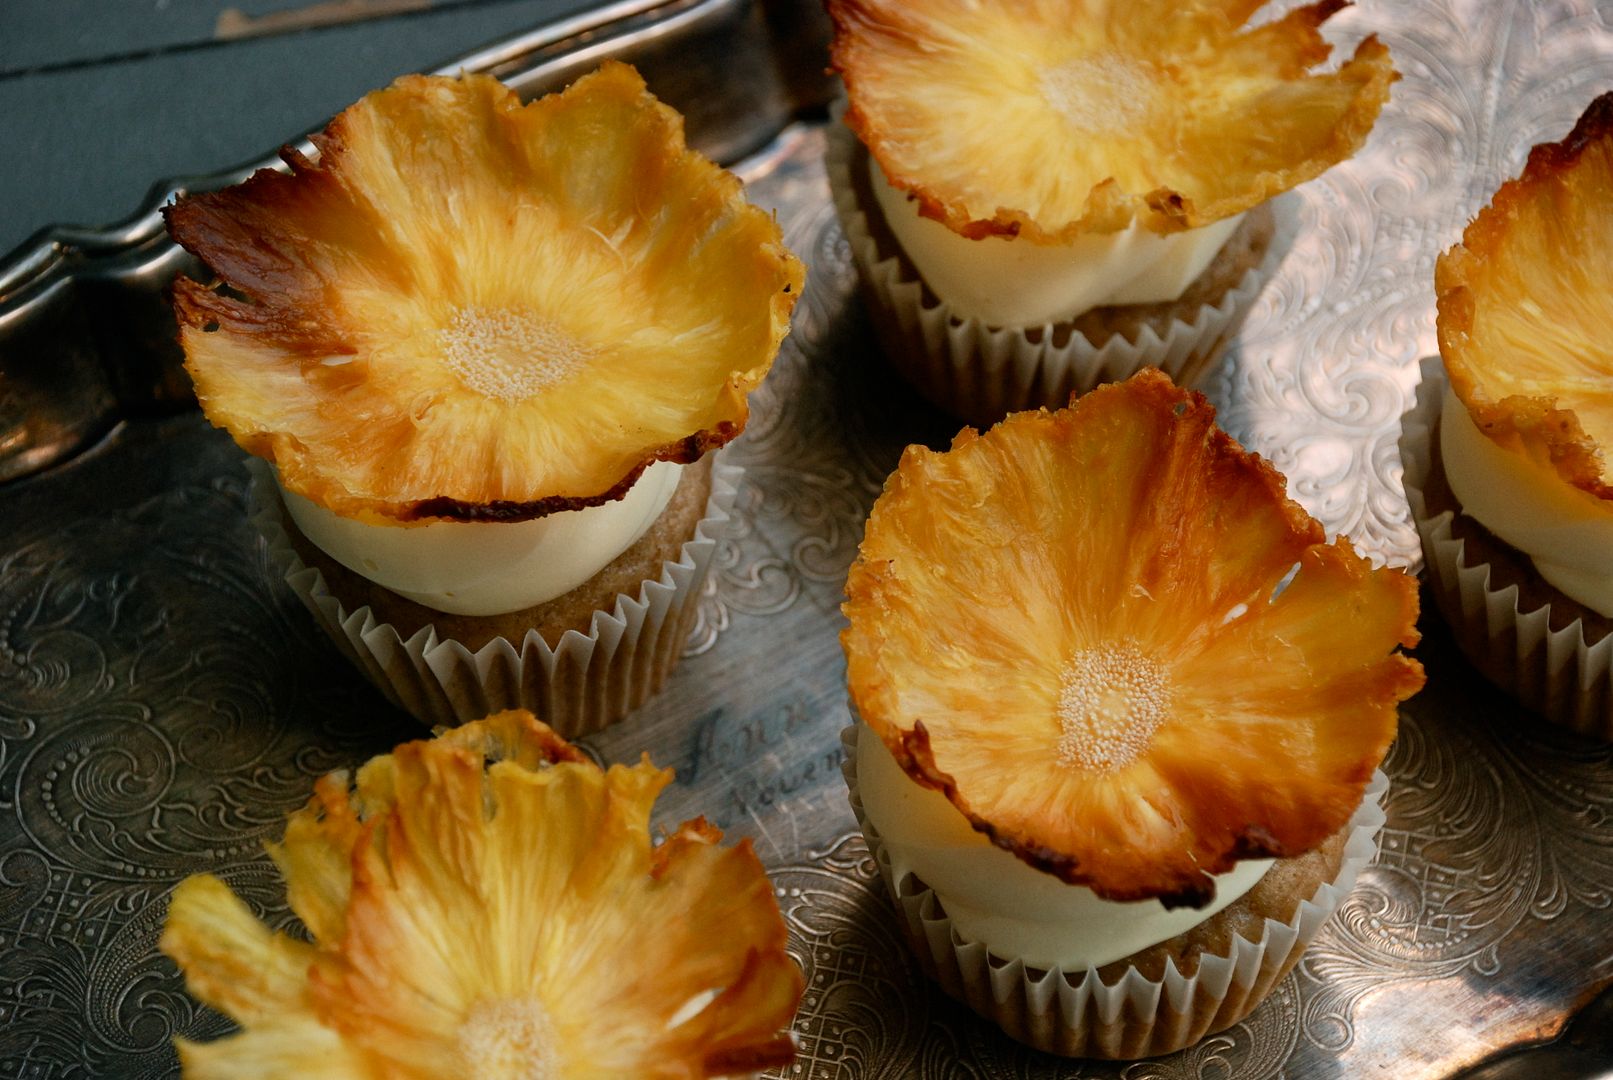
1015	283
992	897
1566	533
489	568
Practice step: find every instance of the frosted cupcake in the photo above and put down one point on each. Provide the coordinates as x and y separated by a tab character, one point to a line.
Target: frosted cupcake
1122	708
1504	457
1042	199
485	351
488	904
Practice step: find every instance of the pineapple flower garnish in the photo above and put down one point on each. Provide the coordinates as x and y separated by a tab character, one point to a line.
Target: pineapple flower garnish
1524	311
1057	118
471	309
488	904
1077	628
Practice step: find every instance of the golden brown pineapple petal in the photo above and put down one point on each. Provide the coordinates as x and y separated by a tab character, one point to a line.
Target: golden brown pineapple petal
1060	622
1523	310
473	309
501	912
1056	118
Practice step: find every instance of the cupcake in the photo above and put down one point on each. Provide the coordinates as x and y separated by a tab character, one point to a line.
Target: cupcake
485	352
488	904
1042	199
1121	710
1503	450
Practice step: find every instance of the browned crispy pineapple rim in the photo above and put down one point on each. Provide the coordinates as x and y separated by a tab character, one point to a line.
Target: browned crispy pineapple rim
487	903
1523	312
1075	627
1057	118
468	308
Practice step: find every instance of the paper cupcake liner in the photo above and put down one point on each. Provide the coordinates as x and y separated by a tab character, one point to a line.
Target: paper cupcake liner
1073	1012
1553	672
981	373
580	685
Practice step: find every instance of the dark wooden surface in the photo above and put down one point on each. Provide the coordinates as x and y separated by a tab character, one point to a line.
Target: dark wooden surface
101	98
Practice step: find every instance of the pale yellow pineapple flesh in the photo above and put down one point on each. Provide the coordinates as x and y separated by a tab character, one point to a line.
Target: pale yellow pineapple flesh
1054	118
1076	627
1524	309
469	308
488	904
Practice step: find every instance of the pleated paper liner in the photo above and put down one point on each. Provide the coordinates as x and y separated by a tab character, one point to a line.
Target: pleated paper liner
581	684
1076	1013
1552	662
981	373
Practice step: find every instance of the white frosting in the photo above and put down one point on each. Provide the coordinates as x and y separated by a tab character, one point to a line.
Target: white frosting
488	568
1567	533
994	898
1015	283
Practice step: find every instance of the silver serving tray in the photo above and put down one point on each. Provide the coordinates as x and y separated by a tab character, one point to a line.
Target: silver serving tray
164	702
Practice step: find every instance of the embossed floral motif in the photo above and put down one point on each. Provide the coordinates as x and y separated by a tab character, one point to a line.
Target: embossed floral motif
146	729
164	616
1494	833
1337	336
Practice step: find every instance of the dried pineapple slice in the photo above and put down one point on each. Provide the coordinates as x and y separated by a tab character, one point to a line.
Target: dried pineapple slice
1056	118
487	904
1523	325
469	309
1067	626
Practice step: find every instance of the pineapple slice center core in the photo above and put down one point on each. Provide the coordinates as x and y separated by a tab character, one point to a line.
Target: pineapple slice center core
508	354
508	1039
1103	94
1112	699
